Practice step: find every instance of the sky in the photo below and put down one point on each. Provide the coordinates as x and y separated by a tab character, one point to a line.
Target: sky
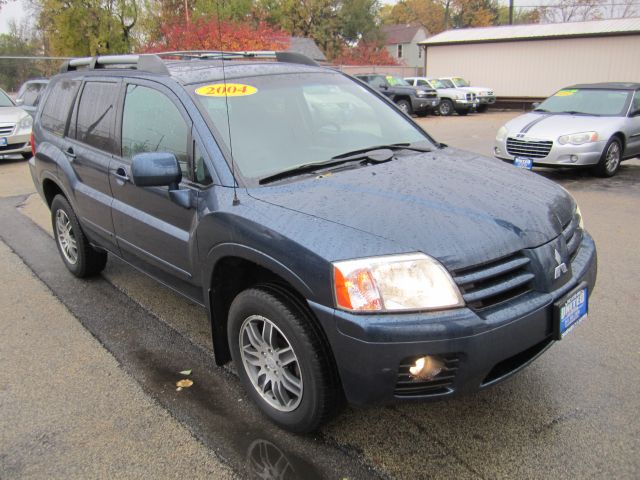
13	10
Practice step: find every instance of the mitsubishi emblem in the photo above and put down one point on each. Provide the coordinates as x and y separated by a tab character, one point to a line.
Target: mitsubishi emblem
561	268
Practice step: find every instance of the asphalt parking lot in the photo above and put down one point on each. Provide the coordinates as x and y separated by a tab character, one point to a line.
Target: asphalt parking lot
571	414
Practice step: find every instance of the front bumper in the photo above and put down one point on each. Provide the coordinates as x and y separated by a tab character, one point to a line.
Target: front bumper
420	104
560	155
486	100
465	104
369	349
19	143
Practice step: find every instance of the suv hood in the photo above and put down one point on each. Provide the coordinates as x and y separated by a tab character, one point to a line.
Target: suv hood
551	126
458	207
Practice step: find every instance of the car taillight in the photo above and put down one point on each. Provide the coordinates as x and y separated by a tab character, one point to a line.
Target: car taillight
33	145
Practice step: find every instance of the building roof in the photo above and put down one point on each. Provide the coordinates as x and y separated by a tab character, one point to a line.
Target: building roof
618	26
308	47
394	34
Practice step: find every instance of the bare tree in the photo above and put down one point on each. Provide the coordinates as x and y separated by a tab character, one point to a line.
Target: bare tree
572	11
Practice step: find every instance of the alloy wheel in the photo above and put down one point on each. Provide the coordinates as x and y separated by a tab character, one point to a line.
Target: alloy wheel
613	157
271	364
66	237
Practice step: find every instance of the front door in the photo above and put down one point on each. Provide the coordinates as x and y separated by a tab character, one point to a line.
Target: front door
153	232
633	139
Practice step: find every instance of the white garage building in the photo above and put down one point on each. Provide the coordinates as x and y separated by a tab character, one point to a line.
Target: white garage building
533	61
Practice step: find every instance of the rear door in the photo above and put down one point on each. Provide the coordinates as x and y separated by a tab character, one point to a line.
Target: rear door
90	151
153	232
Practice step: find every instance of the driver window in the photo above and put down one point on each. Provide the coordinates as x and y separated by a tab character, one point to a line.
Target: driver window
152	123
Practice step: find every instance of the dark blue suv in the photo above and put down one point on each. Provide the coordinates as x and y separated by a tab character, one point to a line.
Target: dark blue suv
340	251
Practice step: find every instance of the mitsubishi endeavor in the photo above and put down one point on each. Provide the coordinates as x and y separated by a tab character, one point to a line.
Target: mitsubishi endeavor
340	251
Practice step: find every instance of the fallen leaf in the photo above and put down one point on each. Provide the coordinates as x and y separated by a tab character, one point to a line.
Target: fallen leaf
184	383
179	389
185	372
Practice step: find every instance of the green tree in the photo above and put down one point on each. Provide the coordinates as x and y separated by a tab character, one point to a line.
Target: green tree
17	43
429	14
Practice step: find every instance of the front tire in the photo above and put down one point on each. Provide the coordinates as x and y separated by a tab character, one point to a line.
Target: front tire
405	106
77	254
281	359
446	107
610	160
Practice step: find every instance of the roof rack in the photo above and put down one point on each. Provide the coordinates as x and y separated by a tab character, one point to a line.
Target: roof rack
153	63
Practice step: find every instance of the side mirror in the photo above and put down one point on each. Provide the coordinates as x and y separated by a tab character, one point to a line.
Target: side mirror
635	113
19	101
535	104
156	169
383	86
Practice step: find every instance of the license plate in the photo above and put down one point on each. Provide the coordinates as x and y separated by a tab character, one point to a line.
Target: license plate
570	310
523	163
3	142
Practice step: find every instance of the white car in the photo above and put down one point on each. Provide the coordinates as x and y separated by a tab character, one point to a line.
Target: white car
15	128
593	126
485	95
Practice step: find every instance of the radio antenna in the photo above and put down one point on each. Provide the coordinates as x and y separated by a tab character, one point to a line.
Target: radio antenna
236	200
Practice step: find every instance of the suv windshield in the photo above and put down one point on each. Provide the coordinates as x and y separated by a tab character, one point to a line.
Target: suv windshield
460	82
587	102
280	122
5	101
393	81
437	84
444	83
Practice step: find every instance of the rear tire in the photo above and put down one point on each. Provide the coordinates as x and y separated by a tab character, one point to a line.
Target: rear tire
610	160
267	329
77	254
405	106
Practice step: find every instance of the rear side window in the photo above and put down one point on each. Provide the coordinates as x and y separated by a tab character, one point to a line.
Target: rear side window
58	104
152	123
96	114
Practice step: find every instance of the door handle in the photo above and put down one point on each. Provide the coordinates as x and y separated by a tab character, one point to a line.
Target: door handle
70	153
121	173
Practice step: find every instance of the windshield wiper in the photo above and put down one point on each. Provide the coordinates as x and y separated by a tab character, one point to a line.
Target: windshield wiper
541	110
574	112
378	154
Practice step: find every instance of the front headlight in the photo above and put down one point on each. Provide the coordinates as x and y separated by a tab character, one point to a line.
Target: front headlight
25	122
461	96
394	283
503	131
580	219
421	93
578	138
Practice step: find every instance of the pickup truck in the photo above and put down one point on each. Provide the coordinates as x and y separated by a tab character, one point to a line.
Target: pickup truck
409	99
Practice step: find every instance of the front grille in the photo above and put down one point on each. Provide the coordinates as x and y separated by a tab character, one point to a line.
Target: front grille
471	96
432	94
489	284
409	386
572	234
528	148
12	146
6	130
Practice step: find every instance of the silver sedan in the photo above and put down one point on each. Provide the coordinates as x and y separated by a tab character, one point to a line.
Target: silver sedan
591	125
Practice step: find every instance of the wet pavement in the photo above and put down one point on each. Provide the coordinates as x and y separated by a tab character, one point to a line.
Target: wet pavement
571	414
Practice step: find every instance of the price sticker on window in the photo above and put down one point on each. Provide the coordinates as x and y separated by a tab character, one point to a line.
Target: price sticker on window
565	93
228	90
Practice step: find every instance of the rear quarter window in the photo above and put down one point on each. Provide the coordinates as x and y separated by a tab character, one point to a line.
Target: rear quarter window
58	104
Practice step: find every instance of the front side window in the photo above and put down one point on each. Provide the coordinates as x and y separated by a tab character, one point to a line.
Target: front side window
460	82
152	123
280	122
96	115
59	101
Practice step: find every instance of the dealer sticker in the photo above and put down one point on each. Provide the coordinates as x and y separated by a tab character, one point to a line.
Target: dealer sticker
572	311
226	89
565	93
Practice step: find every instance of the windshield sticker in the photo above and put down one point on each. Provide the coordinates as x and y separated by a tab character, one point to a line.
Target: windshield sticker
565	93
229	90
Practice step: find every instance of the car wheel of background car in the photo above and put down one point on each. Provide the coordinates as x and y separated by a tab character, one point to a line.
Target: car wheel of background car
463	112
282	360
26	156
482	108
405	106
610	160
446	107
77	254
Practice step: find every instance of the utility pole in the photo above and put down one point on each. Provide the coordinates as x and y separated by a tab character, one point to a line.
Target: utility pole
186	10
510	12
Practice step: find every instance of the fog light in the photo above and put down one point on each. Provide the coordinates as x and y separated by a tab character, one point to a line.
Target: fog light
573	158
427	367
497	151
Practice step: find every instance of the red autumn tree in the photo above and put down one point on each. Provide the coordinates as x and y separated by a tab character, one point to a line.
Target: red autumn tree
209	34
365	53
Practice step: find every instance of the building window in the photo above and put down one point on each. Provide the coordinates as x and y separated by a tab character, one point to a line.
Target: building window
419	51
399	51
